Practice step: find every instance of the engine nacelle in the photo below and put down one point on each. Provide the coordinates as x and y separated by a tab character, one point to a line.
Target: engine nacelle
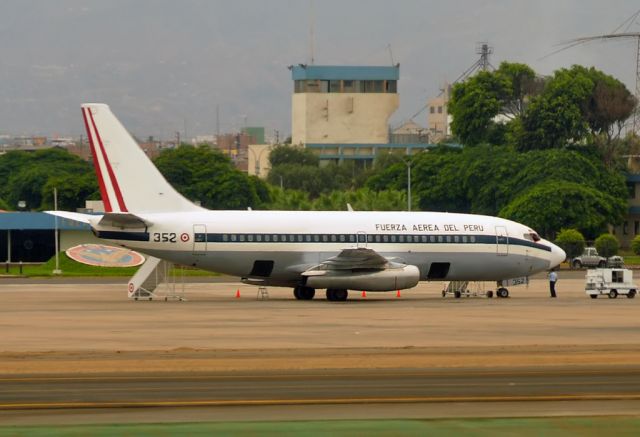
379	280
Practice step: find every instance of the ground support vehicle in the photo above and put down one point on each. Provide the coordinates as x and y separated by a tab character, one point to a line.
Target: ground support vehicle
610	282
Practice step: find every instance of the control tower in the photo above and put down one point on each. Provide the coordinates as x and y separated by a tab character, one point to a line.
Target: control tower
343	105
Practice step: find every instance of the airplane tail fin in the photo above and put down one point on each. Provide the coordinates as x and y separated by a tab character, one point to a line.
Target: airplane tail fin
128	180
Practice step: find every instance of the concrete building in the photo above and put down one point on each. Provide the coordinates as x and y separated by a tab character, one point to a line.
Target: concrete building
438	119
342	112
258	160
630	227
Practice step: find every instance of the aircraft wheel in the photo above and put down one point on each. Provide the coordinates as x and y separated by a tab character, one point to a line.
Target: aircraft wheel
296	292
337	294
444	293
457	294
631	294
489	294
613	294
593	296
502	292
307	293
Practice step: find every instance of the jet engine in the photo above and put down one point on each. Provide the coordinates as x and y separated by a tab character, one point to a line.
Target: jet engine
389	279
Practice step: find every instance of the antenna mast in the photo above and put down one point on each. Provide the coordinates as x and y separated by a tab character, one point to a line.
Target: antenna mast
312	20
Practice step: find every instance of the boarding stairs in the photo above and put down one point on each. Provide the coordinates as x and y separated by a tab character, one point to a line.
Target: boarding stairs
155	280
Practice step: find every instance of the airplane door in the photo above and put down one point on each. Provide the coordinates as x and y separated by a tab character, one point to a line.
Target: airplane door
361	239
199	239
502	241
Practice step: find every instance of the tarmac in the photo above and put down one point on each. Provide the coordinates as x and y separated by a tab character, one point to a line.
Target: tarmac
89	329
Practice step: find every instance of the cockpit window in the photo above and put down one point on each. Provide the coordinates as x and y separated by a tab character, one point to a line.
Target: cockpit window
532	236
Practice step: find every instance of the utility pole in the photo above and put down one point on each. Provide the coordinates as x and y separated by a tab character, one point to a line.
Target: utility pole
57	270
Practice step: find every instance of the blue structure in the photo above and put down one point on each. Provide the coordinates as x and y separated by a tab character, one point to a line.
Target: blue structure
30	236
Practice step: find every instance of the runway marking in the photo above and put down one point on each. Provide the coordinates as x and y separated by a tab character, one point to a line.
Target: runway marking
336	401
381	374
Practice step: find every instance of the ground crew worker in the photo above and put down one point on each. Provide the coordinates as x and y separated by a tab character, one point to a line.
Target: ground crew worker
553	278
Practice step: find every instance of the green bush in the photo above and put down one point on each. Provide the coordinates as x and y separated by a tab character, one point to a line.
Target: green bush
607	245
635	245
571	241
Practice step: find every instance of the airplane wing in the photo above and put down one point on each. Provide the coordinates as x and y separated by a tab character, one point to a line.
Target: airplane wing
361	269
360	258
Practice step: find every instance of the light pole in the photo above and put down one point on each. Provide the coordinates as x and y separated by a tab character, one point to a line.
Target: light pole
408	164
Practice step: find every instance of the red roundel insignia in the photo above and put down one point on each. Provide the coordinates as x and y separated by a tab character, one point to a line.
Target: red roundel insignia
131	287
184	237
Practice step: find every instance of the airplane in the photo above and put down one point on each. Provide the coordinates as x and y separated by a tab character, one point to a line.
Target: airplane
306	250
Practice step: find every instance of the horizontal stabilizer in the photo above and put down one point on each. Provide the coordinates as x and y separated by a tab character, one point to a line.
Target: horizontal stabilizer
123	221
75	216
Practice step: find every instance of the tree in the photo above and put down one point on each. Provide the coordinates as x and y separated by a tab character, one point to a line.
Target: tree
571	241
575	103
206	175
477	102
287	154
31	177
607	245
554	205
635	245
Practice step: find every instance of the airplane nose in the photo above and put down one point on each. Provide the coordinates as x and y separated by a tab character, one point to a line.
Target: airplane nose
557	256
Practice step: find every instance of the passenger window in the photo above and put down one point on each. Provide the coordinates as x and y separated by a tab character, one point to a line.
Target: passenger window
440	239
325	238
472	239
225	237
241	237
316	238
424	238
342	238
401	238
456	238
385	238
258	237
393	238
333	238
307	238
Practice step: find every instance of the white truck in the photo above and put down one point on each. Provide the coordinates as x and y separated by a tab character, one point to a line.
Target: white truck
589	258
610	282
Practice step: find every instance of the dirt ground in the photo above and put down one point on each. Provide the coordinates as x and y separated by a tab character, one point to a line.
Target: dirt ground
73	328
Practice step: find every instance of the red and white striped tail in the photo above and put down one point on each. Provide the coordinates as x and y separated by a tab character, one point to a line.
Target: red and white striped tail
128	180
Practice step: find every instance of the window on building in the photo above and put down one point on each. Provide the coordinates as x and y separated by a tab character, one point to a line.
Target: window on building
439	109
335	86
625	228
349	86
636	227
392	86
432	109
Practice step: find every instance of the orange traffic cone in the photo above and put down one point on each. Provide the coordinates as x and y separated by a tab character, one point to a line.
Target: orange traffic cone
398	294
238	293
364	293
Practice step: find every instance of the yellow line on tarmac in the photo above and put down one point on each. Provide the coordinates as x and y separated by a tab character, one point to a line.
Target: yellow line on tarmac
377	373
338	401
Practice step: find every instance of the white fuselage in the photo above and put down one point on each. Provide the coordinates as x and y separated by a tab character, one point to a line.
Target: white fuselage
443	246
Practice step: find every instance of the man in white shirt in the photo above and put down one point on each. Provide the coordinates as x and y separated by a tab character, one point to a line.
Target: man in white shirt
553	278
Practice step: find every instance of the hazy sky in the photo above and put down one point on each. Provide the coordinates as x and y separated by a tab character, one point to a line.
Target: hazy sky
164	64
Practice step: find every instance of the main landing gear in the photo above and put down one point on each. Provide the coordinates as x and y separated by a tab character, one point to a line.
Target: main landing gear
502	292
337	294
333	294
304	293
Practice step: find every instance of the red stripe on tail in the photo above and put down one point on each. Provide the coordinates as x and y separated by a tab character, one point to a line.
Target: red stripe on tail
96	164
112	177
